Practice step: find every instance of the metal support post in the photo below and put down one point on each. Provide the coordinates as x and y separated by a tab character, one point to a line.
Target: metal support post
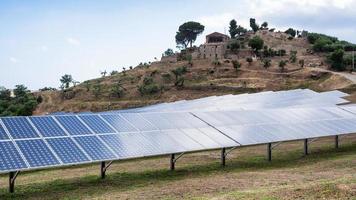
306	151
102	170
337	142
223	156
269	151
172	162
12	178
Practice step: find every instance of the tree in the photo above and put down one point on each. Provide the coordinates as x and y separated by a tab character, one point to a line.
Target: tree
234	45
103	73
264	25
282	65
336	59
256	43
236	64
5	94
168	52
20	91
233	28
188	33
66	80
254	25
97	90
179	78
291	32
241	30
293	56
266	63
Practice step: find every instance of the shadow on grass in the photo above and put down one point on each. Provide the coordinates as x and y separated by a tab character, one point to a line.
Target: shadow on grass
76	188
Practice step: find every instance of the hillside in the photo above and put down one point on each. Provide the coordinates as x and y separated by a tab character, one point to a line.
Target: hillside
203	78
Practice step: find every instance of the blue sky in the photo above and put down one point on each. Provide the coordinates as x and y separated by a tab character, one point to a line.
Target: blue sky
42	40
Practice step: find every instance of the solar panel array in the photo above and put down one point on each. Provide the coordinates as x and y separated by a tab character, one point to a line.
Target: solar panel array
47	141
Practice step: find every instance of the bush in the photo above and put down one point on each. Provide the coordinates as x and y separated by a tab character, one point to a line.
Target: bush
148	86
301	63
179	75
249	60
256	43
336	59
293	56
235	45
236	64
266	63
282	65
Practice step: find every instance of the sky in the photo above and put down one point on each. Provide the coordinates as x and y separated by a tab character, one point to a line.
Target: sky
42	40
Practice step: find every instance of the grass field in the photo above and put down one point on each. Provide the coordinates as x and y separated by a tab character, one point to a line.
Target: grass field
326	173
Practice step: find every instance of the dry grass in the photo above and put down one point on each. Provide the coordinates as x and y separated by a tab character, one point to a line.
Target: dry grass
325	174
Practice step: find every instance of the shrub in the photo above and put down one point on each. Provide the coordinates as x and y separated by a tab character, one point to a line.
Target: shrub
256	43
301	63
282	65
249	60
293	56
148	86
236	64
179	75
336	59
266	63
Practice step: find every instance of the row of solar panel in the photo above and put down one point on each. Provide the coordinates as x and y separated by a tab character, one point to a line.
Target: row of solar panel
54	126
46	152
291	98
161	133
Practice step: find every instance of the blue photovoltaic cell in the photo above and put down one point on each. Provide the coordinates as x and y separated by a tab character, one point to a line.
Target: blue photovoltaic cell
73	125
67	150
10	158
3	135
119	123
95	148
47	126
37	153
19	127
97	124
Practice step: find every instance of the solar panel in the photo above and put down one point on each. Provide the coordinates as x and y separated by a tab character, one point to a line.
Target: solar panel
201	138
67	150
139	121
37	153
120	124
10	158
169	143
182	139
73	125
95	148
3	135
19	127
96	124
129	145
47	126
158	120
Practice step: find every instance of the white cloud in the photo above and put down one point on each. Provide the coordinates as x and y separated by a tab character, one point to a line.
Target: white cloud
73	41
13	60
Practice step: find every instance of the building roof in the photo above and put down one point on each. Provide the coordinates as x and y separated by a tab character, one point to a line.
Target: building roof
217	34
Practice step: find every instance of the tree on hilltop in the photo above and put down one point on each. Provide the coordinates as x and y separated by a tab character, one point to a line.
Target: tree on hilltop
233	28
188	33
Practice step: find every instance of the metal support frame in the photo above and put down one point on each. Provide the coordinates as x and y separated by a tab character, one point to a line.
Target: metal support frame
224	153
174	160
306	148
269	152
336	142
12	178
103	168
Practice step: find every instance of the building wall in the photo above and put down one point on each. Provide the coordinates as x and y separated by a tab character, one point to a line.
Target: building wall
213	51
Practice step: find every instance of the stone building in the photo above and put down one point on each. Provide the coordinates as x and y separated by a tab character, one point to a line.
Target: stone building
214	47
